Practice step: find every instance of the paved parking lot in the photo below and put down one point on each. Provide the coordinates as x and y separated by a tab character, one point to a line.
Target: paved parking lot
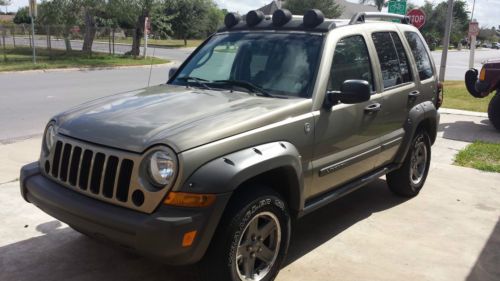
451	231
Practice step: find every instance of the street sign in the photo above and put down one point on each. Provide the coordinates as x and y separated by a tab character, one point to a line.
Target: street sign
473	28
397	7
33	9
417	17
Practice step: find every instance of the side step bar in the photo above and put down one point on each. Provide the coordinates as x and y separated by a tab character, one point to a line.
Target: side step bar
325	199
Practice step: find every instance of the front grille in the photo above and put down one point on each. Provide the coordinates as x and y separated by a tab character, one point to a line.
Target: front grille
90	171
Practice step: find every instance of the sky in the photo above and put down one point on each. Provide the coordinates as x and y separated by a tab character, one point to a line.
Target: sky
486	12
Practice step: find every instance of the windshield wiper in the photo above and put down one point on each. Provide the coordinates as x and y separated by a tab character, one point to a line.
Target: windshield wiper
199	81
247	85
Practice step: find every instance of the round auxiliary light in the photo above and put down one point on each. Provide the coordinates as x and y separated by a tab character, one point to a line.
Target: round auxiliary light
313	18
232	19
254	17
281	17
161	168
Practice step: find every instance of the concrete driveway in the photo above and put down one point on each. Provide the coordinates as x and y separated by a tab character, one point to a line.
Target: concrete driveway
451	231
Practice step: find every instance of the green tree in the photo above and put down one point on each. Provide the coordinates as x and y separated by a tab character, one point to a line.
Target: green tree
22	16
188	16
329	7
378	3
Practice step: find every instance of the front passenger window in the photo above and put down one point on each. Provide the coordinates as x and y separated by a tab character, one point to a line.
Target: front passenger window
350	61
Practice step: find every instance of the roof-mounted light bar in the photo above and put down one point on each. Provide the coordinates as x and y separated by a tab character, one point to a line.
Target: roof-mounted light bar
254	17
313	18
281	17
232	19
360	17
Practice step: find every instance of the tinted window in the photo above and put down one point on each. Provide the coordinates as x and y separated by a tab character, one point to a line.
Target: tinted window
393	60
421	56
350	61
280	63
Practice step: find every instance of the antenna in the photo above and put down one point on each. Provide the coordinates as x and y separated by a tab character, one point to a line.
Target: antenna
151	66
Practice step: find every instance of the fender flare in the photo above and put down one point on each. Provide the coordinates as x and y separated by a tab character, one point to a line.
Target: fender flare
227	173
420	113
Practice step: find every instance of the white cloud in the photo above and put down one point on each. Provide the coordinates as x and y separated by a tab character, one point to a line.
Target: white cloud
486	11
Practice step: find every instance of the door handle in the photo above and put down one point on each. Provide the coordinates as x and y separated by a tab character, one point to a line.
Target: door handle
374	107
414	94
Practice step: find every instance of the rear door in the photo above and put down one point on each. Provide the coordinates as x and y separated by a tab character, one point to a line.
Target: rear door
399	90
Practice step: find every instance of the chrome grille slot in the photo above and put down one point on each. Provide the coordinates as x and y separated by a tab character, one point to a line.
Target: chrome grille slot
97	170
94	171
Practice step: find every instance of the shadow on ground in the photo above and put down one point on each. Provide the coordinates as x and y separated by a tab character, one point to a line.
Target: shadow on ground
469	131
487	267
60	253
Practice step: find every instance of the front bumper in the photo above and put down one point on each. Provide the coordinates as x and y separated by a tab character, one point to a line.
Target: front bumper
158	235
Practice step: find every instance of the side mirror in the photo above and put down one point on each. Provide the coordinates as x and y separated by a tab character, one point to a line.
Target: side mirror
351	92
172	72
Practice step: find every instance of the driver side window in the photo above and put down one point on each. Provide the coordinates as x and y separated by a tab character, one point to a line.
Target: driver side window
350	61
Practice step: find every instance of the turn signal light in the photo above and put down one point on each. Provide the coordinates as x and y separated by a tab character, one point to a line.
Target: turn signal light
482	74
188	238
182	199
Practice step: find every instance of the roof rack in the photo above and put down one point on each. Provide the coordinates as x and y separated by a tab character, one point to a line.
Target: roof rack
360	17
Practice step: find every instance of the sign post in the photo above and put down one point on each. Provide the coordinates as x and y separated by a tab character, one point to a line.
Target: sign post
473	33
417	17
33	13
397	7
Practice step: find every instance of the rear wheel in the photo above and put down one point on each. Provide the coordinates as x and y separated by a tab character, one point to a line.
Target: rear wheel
409	179
251	240
494	111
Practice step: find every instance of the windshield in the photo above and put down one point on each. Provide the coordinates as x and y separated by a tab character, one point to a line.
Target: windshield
280	64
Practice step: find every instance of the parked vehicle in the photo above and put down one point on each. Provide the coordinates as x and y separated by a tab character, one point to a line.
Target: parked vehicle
488	82
495	46
268	120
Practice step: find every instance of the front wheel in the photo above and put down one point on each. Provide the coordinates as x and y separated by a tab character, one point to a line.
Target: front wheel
409	179
494	111
252	239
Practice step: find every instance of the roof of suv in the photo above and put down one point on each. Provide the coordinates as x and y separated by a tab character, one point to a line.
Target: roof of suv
313	21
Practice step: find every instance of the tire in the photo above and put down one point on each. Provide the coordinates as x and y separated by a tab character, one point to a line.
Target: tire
408	180
494	110
239	240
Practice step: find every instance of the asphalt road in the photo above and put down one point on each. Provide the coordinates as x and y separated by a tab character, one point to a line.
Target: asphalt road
175	54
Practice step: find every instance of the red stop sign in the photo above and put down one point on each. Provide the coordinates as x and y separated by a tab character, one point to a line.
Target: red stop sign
417	17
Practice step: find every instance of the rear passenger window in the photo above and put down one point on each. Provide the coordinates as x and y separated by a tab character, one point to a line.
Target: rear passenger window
393	59
350	61
421	56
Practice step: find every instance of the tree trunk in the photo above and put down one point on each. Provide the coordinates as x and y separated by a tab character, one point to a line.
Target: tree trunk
67	42
109	40
137	36
90	31
4	49
185	41
114	40
13	33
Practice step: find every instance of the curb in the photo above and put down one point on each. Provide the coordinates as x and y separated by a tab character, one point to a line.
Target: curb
462	112
171	63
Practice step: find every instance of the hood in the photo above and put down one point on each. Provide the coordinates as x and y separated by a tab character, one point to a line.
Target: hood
177	116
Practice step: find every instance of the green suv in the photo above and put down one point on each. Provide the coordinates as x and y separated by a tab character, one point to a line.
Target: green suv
268	120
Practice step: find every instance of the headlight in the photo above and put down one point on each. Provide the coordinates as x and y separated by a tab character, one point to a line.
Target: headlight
50	137
162	168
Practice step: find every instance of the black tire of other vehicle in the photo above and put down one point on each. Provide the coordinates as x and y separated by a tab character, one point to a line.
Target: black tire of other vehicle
254	208
494	110
409	179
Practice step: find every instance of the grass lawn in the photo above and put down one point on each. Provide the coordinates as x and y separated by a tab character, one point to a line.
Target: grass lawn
20	59
457	97
480	155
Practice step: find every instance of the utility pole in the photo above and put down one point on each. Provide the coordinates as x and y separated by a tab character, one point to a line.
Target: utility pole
473	32
446	40
146	30
279	3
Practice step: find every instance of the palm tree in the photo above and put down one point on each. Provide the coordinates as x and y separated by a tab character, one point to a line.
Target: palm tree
379	3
